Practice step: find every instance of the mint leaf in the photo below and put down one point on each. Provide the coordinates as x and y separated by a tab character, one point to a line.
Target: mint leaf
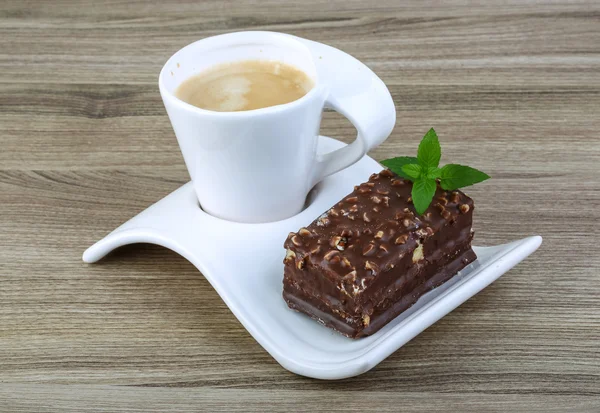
456	176
395	164
422	193
424	171
433	172
429	152
412	171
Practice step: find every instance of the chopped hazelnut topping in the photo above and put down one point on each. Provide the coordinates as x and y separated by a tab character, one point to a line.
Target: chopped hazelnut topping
289	256
369	250
418	253
329	256
304	232
401	239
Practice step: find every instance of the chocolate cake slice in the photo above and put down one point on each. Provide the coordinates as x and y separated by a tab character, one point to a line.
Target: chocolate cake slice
370	257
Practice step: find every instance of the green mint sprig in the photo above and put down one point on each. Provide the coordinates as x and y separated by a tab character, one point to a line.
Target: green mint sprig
425	173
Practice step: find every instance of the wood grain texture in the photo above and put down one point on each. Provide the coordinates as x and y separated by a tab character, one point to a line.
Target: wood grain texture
512	87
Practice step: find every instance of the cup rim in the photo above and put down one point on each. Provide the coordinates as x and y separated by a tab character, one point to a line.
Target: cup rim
167	95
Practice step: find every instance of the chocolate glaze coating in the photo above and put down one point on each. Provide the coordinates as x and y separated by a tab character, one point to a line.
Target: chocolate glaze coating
370	256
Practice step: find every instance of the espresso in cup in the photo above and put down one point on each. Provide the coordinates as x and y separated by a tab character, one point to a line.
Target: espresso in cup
245	85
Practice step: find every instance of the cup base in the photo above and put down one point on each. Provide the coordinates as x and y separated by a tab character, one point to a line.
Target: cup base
312	194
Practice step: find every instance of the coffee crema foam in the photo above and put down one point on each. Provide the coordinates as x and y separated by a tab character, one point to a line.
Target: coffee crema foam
245	85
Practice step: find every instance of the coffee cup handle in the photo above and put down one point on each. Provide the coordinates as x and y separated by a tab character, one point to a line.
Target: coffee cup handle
373	114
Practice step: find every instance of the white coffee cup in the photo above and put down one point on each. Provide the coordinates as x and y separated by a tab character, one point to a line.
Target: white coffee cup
259	165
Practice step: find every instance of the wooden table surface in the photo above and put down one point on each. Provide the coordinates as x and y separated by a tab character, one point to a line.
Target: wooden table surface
512	87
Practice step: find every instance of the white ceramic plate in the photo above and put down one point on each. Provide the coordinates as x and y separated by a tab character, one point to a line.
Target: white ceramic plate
243	262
